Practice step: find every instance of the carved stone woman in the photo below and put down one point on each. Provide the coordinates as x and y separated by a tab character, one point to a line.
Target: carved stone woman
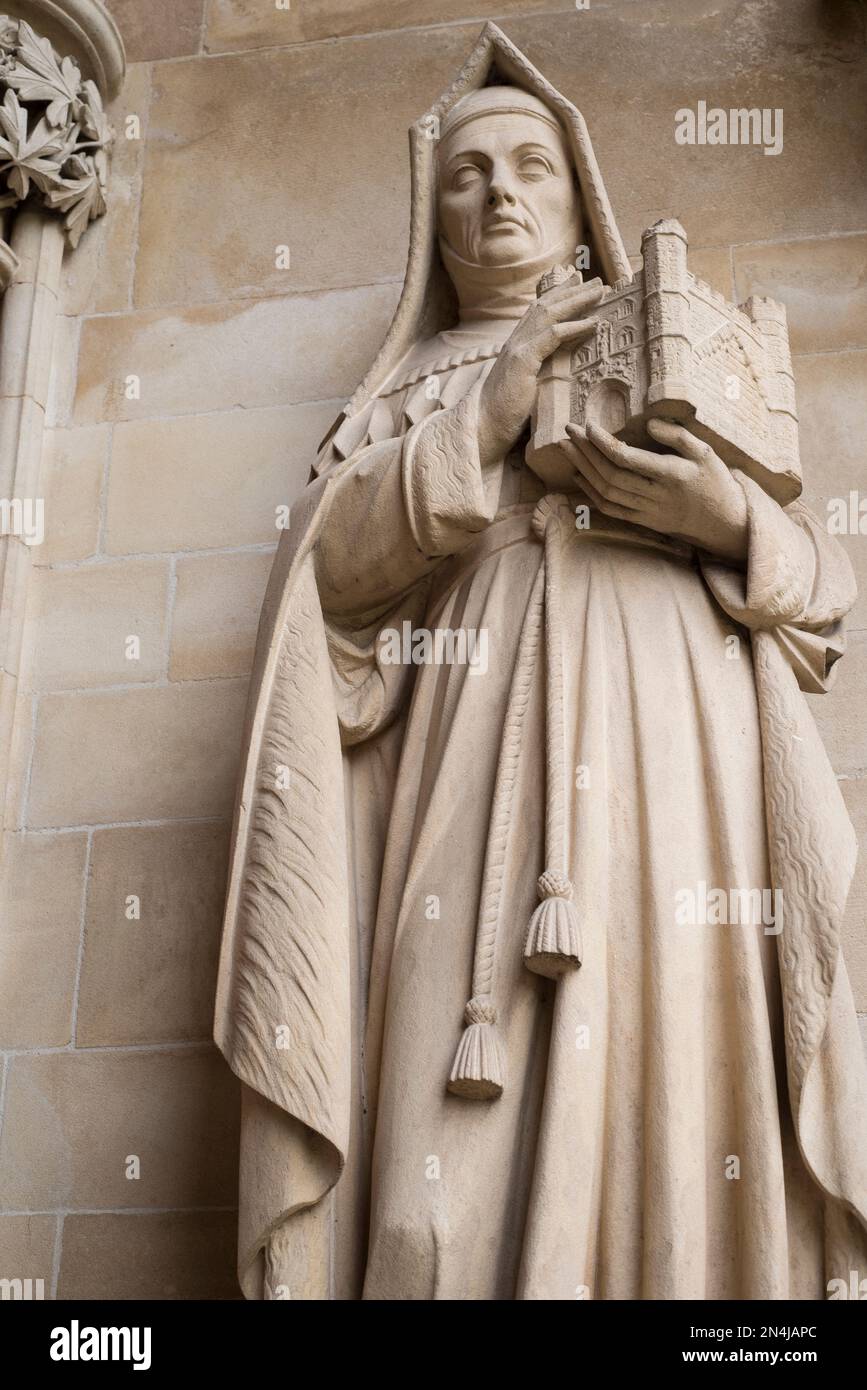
439	1100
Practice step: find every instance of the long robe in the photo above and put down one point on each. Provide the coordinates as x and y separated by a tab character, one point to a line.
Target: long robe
685	1116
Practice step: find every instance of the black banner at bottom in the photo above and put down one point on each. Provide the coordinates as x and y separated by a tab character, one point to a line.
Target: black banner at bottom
160	1339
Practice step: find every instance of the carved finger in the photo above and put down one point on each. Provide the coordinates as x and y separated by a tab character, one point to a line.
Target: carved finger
625	456
569	288
572	452
677	437
578	456
572	332
602	486
567	301
603	505
635	484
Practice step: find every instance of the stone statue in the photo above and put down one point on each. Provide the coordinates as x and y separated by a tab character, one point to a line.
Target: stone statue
531	967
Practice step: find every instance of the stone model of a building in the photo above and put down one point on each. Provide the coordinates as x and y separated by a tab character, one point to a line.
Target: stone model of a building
668	345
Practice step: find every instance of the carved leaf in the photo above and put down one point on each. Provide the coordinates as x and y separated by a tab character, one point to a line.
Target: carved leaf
92	117
80	195
24	154
39	76
54	133
8	34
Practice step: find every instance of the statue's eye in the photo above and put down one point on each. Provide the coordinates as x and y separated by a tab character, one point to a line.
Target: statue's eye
465	176
534	166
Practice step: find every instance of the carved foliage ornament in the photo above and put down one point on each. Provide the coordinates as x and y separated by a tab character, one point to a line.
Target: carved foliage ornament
54	135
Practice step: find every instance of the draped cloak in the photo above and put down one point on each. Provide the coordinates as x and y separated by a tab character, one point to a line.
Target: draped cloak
683	1116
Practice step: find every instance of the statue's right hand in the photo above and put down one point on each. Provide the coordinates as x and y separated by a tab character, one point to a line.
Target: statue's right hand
509	390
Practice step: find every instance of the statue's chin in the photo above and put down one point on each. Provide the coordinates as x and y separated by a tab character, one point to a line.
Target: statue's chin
503	284
505	248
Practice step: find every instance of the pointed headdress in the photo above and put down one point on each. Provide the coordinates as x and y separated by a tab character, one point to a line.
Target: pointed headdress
427	304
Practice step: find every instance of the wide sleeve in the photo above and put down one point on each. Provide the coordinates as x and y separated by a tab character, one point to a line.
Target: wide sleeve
798	585
398	507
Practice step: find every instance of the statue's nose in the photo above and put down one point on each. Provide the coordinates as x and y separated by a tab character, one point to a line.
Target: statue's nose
498	194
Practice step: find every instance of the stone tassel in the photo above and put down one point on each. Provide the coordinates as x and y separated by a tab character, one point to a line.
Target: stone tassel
553	943
479	1072
554	936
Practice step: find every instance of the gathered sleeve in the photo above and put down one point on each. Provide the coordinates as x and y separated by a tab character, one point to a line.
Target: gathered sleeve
798	585
398	508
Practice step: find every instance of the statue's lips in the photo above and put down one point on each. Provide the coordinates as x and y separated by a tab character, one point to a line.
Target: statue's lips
504	224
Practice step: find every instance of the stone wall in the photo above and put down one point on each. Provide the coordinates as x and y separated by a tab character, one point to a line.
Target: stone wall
197	374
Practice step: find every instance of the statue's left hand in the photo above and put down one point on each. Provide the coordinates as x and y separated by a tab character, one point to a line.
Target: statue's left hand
689	494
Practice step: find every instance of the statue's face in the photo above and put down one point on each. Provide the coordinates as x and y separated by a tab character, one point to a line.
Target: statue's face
506	189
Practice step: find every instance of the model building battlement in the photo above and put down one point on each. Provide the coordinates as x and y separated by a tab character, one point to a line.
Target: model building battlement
667	345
